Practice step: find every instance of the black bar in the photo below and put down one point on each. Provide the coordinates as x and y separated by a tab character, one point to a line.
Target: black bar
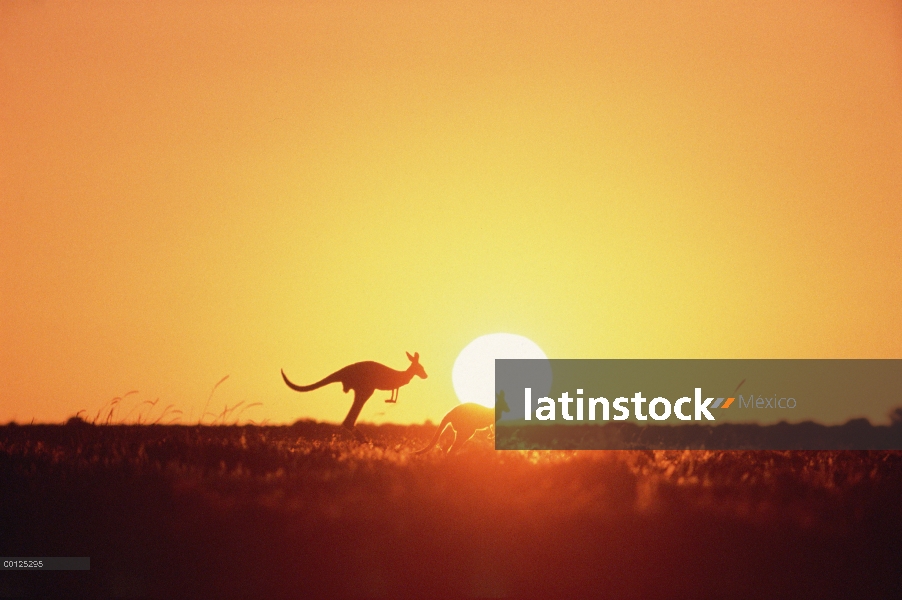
46	563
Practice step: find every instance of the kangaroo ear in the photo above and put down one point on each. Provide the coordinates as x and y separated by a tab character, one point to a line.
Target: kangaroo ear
409	357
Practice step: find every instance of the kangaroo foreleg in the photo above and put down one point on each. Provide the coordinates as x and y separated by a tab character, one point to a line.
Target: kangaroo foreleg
394	396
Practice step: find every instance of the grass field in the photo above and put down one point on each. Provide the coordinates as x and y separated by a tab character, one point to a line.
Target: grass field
304	511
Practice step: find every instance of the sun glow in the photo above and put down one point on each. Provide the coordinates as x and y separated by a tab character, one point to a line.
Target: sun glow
473	374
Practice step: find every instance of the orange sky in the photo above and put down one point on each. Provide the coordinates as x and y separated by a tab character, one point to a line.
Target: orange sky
190	190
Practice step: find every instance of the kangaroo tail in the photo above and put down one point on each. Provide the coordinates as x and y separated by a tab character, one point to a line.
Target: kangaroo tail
437	435
309	388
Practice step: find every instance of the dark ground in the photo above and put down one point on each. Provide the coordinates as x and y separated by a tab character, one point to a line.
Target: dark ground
204	512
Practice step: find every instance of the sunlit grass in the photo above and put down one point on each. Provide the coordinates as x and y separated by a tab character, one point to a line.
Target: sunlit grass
258	464
309	488
152	412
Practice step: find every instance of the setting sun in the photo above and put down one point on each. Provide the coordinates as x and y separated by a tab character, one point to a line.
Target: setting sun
473	374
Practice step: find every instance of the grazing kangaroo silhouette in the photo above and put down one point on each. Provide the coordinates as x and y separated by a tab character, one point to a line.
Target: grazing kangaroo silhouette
365	378
465	419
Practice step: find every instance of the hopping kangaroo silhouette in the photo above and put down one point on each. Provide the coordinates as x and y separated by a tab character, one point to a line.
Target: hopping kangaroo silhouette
365	378
465	419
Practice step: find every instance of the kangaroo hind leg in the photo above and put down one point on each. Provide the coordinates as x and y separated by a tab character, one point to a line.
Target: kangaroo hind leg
462	436
360	398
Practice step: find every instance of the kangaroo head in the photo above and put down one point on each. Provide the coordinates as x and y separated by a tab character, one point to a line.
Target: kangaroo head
500	404
415	365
